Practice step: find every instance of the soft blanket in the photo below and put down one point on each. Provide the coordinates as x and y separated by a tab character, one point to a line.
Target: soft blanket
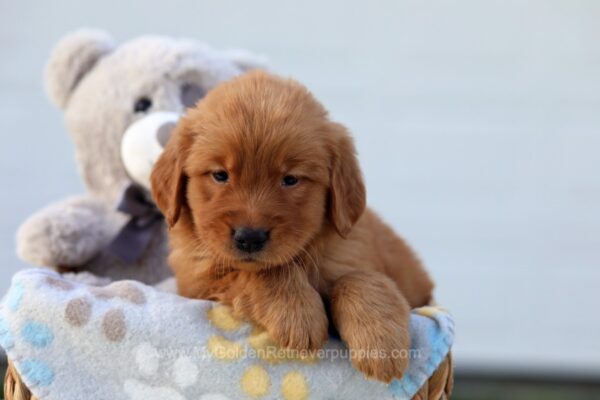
71	340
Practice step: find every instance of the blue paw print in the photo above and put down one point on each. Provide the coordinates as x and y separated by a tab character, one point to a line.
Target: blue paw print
36	372
6	338
37	334
15	296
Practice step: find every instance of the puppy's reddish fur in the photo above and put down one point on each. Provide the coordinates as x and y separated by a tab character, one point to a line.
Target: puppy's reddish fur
324	244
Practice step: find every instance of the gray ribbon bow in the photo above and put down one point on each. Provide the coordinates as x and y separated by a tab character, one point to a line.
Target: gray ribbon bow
134	237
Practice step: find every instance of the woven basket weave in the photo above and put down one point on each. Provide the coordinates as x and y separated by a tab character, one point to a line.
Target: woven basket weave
14	388
438	387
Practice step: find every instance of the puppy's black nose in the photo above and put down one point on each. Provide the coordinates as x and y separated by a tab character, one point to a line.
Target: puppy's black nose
250	240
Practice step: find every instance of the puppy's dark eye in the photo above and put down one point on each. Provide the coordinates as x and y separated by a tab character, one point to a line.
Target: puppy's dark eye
142	104
289	180
220	176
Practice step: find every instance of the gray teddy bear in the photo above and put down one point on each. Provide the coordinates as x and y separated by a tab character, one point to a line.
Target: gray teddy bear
119	103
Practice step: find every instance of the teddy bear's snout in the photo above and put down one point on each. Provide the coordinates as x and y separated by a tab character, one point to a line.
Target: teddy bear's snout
143	142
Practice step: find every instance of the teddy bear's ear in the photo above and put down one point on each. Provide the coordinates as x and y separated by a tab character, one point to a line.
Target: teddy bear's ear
71	59
246	60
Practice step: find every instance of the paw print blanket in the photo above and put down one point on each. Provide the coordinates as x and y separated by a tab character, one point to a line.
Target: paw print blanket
128	341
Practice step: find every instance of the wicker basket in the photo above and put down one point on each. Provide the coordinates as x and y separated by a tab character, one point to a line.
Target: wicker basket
14	388
438	387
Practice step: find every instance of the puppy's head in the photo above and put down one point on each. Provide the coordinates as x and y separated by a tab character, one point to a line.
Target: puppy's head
260	170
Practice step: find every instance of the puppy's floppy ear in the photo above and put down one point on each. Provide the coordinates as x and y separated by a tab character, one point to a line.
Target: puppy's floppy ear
168	180
347	196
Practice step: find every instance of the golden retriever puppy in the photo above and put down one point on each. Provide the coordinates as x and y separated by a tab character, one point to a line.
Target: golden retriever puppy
266	207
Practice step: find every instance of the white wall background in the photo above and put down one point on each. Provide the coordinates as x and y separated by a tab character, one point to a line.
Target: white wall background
478	126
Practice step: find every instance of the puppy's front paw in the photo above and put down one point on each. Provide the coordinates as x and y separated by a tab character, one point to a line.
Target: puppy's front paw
372	317
380	353
300	329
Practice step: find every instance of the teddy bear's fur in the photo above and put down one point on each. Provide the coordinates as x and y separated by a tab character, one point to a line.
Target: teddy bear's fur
96	84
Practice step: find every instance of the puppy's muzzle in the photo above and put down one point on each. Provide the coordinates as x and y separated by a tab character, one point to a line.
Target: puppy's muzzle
250	240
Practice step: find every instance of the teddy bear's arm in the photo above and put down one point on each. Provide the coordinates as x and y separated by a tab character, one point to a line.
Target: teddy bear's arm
66	234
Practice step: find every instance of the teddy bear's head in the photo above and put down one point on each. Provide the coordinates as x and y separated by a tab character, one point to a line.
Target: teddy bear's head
104	89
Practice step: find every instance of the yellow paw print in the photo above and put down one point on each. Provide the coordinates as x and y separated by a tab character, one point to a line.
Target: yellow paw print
268	350
222	318
256	381
430	311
